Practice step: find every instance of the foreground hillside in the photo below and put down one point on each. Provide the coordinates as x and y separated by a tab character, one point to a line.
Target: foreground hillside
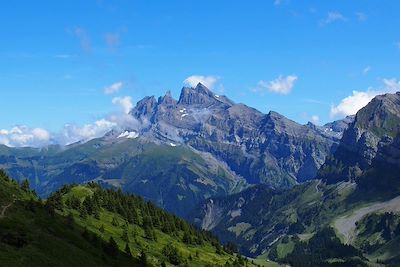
88	226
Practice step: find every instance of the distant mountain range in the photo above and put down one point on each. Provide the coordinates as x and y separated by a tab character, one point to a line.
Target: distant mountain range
184	151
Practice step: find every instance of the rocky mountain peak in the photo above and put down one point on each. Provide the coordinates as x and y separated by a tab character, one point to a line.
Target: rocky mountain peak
167	99
199	95
380	116
374	128
144	107
279	123
259	147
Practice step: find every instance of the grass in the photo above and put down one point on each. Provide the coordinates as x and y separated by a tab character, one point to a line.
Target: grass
153	249
49	242
57	241
264	261
284	249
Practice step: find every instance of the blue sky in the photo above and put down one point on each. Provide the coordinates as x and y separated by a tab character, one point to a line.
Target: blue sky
303	59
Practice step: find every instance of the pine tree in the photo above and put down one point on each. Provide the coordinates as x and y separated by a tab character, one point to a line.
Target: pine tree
4	175
128	250
143	258
115	222
97	214
83	212
70	220
88	204
75	202
125	235
111	248
149	233
25	185
54	203
187	238
172	254
86	234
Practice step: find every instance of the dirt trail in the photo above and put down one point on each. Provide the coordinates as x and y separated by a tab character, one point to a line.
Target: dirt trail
346	225
4	208
3	211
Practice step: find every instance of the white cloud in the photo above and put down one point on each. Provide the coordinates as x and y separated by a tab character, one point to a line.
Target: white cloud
359	99
118	121
366	70
278	2
22	136
351	104
315	119
114	88
124	102
392	85
208	81
281	85
333	16
41	134
74	133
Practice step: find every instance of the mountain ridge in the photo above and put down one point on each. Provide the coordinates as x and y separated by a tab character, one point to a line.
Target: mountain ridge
207	144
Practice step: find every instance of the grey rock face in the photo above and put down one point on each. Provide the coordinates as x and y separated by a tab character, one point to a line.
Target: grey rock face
333	129
262	148
375	126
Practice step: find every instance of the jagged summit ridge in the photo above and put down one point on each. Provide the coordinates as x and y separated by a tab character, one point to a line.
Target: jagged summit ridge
199	95
267	148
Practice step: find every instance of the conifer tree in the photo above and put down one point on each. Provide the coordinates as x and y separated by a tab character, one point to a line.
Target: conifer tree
143	258
115	222
111	248
128	250
25	185
125	235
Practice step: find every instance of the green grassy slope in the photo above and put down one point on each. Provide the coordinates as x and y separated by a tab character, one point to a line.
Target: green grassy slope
75	225
30	237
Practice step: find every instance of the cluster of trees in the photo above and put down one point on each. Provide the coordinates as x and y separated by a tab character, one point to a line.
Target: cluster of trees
322	246
139	216
110	247
135	210
333	170
386	224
